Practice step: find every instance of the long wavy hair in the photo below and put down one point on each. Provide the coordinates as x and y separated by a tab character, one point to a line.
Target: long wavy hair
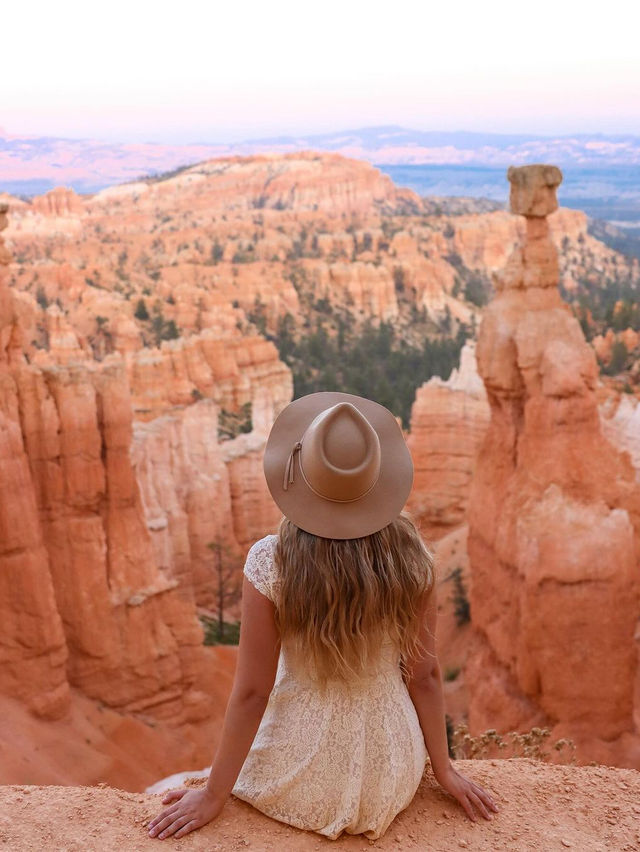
341	598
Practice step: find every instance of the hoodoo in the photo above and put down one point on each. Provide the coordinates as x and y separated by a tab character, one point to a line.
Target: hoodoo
554	515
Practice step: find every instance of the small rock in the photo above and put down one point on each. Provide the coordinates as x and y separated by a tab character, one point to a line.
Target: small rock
564	842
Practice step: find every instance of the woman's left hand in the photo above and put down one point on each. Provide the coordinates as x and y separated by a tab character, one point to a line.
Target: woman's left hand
193	809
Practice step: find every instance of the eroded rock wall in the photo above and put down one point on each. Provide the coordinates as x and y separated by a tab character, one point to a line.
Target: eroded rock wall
33	648
93	596
448	422
554	510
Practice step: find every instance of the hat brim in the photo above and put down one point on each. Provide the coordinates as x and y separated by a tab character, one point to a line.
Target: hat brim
327	518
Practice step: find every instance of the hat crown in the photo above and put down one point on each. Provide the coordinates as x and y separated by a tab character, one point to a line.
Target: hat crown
340	454
337	465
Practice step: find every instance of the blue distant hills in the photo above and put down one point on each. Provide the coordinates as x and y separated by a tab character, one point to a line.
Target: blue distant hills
601	171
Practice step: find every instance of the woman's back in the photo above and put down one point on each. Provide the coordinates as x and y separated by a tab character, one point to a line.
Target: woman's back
321	731
332	757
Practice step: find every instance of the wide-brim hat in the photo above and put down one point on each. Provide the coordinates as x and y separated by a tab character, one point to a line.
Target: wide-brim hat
337	465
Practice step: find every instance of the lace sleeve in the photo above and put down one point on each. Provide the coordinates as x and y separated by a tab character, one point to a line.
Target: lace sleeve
259	568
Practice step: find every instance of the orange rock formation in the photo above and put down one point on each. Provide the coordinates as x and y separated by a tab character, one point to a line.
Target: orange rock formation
203	247
89	613
448	422
554	515
33	648
113	473
620	421
58	202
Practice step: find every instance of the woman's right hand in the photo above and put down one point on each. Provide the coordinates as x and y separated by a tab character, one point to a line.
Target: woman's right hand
468	793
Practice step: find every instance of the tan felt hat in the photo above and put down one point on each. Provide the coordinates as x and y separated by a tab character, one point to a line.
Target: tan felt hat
337	465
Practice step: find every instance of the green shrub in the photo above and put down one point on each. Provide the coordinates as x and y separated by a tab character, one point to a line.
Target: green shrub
619	355
141	312
233	423
41	298
476	291
451	673
462	609
230	634
371	360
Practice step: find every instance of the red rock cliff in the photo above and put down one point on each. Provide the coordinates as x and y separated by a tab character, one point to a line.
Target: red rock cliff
33	649
554	514
89	618
448	422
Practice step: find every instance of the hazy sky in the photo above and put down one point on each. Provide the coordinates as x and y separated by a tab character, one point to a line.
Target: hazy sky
190	71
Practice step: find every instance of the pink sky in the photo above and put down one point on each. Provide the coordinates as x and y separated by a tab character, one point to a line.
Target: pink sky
193	71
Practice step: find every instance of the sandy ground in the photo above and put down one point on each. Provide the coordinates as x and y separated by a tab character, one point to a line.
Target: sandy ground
542	807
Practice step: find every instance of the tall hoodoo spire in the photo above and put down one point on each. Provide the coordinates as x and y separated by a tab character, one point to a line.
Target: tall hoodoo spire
554	538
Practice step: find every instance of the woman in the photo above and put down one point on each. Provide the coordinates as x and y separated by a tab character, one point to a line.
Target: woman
332	734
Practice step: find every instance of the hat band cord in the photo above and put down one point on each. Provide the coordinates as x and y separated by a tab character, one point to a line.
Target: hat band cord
290	466
289	476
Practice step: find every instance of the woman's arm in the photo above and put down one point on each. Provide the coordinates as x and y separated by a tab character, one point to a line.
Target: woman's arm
255	675
254	678
425	688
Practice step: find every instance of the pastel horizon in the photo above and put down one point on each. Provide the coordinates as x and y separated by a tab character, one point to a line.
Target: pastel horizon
226	74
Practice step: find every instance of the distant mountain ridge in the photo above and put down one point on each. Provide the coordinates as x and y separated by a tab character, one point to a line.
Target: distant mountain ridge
35	164
470	147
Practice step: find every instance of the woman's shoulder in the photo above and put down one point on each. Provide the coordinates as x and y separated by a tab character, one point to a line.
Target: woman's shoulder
264	546
259	567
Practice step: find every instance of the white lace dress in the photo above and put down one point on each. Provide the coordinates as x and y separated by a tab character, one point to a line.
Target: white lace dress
349	759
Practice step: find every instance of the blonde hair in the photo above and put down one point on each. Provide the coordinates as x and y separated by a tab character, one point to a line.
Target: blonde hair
340	598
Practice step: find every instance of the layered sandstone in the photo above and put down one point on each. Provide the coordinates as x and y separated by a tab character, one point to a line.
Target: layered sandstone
118	418
33	648
554	515
197	490
97	614
60	201
363	287
263	182
448	422
132	638
229	369
620	422
256	238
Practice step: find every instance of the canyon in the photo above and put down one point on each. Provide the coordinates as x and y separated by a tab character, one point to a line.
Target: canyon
141	374
101	646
